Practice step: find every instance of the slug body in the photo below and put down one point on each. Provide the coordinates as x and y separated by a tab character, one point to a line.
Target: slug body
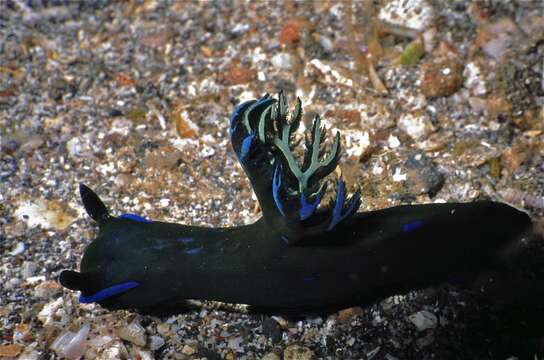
300	256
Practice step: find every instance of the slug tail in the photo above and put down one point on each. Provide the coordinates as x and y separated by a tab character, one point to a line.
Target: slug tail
93	205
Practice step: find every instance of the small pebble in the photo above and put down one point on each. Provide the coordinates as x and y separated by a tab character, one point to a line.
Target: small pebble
416	124
240	75
133	332
115	351
271	356
414	14
188	350
441	77
155	342
13	283
297	352
282	61
74	147
143	355
47	314
235	344
474	79
290	33
346	315
29	354
10	351
423	320
28	269
47	289
22	333
18	249
422	176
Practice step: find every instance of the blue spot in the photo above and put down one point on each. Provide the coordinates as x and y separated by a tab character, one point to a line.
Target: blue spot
306	208
108	292
194	251
276	183
308	278
135	218
411	226
246	145
186	240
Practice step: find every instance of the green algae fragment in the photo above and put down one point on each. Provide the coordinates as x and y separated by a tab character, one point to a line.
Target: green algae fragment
412	53
137	114
460	147
495	168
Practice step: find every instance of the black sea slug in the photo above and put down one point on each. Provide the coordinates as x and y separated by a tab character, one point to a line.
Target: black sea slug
302	255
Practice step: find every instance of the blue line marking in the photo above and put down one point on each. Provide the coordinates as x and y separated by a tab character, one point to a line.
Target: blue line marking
186	240
276	183
108	292
265	100
246	145
285	239
135	218
338	205
308	278
238	111
194	251
412	226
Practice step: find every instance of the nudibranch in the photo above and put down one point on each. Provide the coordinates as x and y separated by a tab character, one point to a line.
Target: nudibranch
302	255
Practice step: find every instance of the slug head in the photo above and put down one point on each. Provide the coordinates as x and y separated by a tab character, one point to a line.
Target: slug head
93	280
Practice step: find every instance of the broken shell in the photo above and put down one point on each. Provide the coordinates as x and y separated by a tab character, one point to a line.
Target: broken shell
70	345
133	332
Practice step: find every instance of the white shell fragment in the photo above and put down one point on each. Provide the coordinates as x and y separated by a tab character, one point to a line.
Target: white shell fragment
48	312
45	213
417	125
70	345
474	79
357	142
134	333
282	61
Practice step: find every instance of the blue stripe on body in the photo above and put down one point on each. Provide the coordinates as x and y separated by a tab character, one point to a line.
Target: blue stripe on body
412	226
194	251
276	183
246	145
135	218
108	292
